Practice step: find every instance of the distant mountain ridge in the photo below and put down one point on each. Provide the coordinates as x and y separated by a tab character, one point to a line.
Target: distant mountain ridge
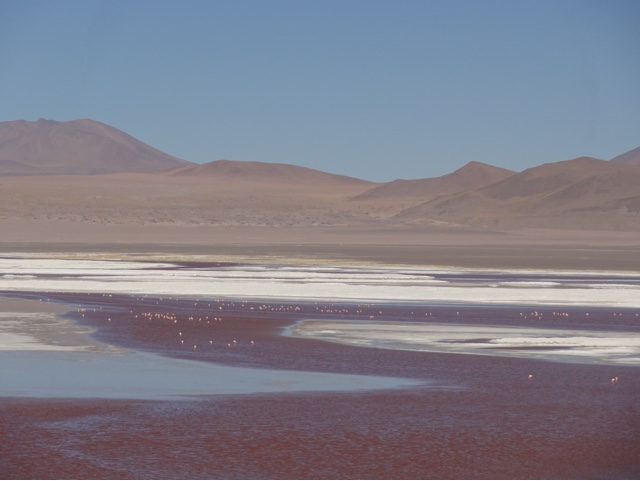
79	147
471	176
37	158
260	171
575	193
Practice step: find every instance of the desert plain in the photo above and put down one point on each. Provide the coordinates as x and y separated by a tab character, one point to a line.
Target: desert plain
83	186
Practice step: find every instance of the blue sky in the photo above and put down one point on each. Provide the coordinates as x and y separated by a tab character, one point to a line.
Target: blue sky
373	89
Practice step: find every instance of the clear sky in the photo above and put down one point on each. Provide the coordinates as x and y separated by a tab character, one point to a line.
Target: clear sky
373	89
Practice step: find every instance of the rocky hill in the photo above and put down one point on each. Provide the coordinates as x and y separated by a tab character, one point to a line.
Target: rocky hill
79	147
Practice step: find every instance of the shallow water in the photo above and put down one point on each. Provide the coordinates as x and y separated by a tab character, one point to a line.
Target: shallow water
495	416
44	355
136	375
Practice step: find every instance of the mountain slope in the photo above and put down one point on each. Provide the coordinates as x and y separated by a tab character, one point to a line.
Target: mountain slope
10	167
75	147
630	158
471	176
235	170
578	193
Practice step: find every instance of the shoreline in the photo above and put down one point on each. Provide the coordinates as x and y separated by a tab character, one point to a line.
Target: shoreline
462	291
567	258
72	363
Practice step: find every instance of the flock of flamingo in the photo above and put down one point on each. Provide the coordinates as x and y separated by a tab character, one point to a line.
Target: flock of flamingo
367	311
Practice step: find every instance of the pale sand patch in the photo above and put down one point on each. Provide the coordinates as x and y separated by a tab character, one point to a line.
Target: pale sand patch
27	325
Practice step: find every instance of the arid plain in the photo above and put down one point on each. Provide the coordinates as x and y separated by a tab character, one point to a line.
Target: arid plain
92	187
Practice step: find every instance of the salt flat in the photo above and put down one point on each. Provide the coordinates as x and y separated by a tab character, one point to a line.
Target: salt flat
561	345
423	284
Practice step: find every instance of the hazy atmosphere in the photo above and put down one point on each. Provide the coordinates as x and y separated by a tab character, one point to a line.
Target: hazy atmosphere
371	89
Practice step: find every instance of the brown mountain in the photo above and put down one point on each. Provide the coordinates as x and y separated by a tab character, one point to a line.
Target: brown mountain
471	176
248	171
10	167
75	147
584	193
145	186
630	158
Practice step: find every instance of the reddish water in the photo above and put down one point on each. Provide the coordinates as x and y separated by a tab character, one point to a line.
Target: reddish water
570	421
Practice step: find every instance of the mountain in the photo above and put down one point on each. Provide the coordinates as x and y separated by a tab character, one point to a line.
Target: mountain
471	176
75	147
248	171
630	158
578	193
146	186
10	167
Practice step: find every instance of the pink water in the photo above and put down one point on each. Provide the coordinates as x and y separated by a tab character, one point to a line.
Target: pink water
488	420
